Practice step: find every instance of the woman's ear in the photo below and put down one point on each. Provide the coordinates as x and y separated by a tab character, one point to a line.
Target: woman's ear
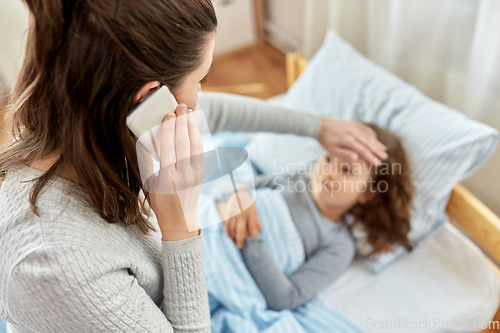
145	91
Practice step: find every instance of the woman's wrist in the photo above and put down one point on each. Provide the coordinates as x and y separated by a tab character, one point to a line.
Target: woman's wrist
174	231
174	236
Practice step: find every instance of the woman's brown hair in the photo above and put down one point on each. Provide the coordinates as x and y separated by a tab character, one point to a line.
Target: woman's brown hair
386	216
85	60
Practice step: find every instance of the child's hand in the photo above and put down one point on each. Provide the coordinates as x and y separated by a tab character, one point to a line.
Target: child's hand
239	225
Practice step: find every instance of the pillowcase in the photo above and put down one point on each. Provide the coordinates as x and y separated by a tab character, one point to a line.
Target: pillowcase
443	145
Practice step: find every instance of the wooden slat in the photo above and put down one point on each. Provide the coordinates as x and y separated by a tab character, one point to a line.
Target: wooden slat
301	64
241	89
477	220
259	63
291	68
295	65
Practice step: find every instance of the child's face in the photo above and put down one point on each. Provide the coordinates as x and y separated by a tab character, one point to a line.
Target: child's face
336	183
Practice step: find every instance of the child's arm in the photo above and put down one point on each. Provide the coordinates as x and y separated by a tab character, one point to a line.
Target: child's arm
322	268
240	225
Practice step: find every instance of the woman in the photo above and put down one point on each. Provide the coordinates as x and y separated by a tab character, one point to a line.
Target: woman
77	253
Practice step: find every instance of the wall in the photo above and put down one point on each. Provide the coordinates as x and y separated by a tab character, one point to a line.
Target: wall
285	23
236	25
13	23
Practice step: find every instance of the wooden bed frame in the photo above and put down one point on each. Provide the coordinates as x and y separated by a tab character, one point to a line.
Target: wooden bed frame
470	215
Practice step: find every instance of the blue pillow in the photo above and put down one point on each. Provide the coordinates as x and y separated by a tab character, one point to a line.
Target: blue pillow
443	145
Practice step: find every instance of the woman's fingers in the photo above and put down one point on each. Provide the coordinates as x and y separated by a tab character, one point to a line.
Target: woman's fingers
182	145
370	139
364	141
366	129
165	183
167	155
196	146
351	139
196	149
364	152
375	146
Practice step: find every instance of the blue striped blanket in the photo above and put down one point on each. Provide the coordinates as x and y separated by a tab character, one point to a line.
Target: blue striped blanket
236	303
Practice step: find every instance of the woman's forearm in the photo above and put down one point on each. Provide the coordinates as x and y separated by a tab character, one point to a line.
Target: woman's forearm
229	112
185	300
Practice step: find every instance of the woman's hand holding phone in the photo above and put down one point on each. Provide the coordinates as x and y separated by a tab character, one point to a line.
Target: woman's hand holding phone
174	192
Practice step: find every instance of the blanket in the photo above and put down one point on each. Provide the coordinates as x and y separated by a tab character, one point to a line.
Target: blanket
236	303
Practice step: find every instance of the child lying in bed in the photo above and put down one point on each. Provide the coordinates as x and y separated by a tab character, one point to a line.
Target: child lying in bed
379	199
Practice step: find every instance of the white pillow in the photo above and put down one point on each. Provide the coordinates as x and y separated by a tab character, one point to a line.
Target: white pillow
443	145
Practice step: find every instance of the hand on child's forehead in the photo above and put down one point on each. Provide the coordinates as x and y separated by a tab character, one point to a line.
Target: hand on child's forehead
339	159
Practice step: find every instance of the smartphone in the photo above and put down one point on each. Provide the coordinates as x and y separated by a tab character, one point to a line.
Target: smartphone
145	119
151	111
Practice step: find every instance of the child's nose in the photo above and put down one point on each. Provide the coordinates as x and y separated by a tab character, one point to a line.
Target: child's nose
334	175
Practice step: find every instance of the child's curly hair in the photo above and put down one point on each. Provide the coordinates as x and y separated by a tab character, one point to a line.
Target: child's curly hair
386	217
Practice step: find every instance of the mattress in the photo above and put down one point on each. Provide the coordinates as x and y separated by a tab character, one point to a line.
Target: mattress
445	285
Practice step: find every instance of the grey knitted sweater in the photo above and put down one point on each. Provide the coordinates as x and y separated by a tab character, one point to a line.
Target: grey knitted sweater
68	270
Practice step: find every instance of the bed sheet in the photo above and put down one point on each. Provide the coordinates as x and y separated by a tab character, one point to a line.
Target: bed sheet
445	285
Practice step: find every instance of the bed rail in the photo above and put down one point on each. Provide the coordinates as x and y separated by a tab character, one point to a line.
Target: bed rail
477	220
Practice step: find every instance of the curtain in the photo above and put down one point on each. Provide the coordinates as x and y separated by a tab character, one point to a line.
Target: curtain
449	49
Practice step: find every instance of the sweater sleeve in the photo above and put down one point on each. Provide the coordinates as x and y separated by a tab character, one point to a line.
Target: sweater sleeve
55	290
185	291
322	268
229	112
